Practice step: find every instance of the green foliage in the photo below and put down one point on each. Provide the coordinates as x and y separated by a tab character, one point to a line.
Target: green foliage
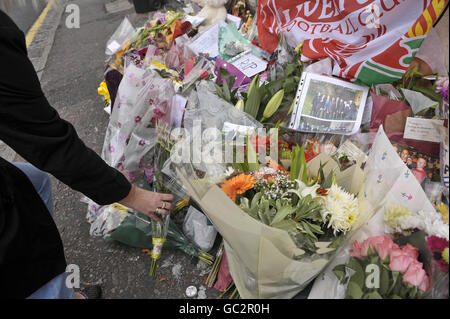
390	284
298	165
225	91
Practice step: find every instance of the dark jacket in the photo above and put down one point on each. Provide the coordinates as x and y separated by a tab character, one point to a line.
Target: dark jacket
31	251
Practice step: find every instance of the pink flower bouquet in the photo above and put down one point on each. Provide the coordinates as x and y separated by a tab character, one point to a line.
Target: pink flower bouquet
381	269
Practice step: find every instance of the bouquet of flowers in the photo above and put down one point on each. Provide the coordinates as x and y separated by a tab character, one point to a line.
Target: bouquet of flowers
136	230
402	209
381	269
280	227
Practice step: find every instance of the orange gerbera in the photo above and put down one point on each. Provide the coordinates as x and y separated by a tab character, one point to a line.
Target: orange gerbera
238	185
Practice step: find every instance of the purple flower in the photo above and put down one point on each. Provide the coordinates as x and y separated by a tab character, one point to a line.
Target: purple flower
149	174
112	149
442	87
141	143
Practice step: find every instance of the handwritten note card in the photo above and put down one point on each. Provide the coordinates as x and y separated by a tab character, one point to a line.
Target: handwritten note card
208	41
422	129
233	19
195	20
250	64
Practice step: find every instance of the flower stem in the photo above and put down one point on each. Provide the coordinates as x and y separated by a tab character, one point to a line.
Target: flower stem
153	267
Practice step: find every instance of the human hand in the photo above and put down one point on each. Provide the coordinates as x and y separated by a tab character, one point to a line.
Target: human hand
148	202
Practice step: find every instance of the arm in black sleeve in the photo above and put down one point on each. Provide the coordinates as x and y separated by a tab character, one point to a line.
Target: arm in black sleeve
30	126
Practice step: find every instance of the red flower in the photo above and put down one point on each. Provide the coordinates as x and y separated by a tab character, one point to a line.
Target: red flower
437	244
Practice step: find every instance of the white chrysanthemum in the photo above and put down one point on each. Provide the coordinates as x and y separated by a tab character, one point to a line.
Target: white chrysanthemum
430	222
341	208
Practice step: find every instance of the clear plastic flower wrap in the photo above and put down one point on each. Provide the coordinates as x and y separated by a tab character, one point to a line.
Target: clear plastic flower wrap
267	258
123	32
136	230
393	191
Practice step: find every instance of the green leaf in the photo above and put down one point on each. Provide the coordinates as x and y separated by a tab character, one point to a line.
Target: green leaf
256	199
321	173
295	163
339	272
223	72
263	217
304	227
226	91
384	281
395	276
373	295
286	224
232	80
329	180
304	168
354	290
282	214
428	93
359	275
251	154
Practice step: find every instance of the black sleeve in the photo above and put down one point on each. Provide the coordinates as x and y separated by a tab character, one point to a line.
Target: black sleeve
30	126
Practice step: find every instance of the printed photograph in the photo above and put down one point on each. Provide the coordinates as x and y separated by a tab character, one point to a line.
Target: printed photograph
329	105
425	167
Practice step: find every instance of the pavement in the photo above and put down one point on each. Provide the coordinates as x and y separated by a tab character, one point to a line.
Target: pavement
23	12
73	70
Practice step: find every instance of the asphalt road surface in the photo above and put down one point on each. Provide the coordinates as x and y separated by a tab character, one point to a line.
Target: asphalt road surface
23	12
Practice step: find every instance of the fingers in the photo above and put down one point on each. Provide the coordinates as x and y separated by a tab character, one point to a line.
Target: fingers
162	211
166	197
165	205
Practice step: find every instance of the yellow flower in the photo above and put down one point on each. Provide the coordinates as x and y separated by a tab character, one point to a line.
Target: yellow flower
238	185
444	212
393	213
299	47
103	90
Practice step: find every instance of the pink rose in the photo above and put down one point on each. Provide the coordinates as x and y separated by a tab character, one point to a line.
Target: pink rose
401	262
370	242
355	251
415	275
425	284
383	249
411	251
396	252
381	244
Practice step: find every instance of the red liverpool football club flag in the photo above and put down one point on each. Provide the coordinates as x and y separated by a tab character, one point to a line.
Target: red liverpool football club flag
371	41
